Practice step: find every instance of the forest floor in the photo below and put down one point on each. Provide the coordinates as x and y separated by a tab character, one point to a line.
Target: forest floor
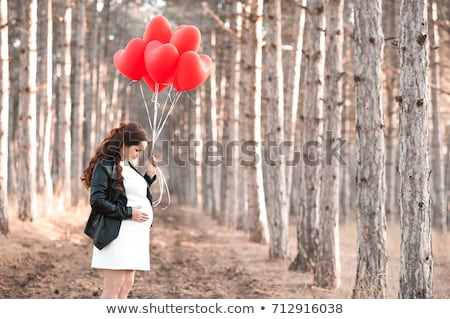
191	257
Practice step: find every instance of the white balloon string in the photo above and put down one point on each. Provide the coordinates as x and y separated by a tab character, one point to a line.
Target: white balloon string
146	106
156	126
172	105
164	107
162	186
155	117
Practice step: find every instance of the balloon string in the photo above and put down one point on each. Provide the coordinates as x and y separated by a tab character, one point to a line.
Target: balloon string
155	117
162	186
146	107
157	127
160	127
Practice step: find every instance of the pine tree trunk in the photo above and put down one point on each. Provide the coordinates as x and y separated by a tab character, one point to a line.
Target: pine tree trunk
252	64
78	100
390	25
45	119
311	123
228	182
27	115
439	208
62	136
447	171
210	142
327	270
241	174
276	191
416	261
4	117
291	106
370	210
346	177
91	85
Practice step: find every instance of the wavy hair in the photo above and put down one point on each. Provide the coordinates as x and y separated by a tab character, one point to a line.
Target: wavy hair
110	148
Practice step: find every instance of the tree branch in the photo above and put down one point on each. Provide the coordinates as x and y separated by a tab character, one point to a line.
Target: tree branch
216	18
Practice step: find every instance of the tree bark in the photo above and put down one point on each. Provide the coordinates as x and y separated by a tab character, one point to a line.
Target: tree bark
273	99
77	110
4	117
27	115
390	25
311	121
371	269
327	271
251	83
230	117
62	154
416	261
292	97
439	208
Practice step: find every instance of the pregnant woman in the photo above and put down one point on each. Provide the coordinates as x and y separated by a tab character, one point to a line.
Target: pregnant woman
121	202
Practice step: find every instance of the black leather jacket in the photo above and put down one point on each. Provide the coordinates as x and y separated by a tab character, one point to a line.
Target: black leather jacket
108	203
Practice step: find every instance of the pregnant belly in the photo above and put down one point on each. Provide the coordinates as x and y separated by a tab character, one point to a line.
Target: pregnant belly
146	207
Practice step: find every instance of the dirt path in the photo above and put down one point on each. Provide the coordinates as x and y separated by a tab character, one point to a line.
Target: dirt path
191	257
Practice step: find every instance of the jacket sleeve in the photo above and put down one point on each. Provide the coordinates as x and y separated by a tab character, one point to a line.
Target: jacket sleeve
99	198
150	181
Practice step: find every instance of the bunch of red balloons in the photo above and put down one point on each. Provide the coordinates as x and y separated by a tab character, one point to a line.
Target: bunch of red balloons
164	57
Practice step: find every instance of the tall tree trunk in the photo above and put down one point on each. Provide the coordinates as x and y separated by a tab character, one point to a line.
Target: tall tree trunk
91	85
390	28
371	219
229	132
439	208
292	97
4	117
328	269
311	121
61	160
447	171
346	177
27	114
273	99
78	100
43	169
210	140
416	261
252	64
241	173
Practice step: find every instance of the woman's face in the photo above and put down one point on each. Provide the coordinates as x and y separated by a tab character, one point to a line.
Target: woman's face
132	152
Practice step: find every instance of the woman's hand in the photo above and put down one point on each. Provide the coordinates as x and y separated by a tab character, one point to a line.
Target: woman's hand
138	215
151	166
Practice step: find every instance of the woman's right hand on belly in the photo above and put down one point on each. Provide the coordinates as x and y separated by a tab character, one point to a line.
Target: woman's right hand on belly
138	215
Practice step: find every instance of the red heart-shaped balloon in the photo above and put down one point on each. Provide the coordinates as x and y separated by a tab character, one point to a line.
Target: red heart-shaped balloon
130	61
155	87
161	61
192	70
158	29
186	38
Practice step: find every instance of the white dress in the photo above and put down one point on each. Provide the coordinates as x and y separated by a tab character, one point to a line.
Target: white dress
131	249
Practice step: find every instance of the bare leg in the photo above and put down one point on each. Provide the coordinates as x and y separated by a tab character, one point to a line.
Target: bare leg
127	284
112	283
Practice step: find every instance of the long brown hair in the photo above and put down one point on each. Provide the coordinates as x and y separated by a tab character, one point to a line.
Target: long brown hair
110	148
